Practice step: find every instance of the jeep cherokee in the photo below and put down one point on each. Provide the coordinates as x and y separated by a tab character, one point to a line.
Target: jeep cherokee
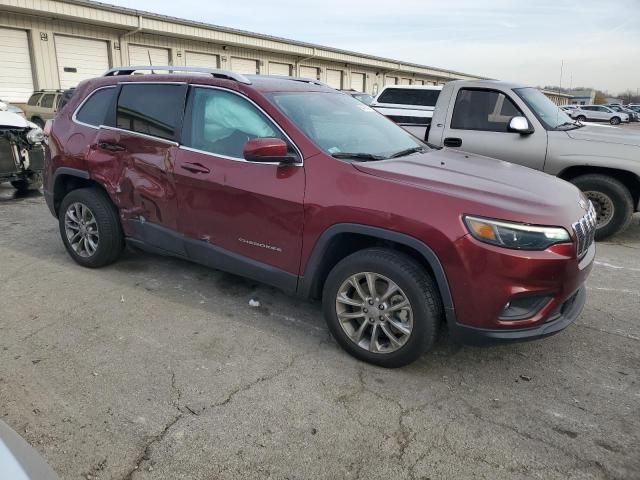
294	184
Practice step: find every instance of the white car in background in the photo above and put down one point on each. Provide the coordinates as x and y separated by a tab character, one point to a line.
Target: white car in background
599	113
410	106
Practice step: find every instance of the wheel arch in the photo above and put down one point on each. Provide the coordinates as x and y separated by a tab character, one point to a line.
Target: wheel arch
629	179
341	240
66	180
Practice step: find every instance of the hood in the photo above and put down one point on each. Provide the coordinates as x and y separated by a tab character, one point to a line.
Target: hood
12	120
492	187
606	134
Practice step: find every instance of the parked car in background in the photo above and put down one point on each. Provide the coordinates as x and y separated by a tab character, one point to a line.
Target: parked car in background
599	113
13	109
42	106
568	108
410	106
21	151
633	116
520	124
362	97
299	186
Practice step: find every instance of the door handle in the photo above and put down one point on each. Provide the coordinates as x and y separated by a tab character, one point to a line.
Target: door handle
195	168
111	147
452	142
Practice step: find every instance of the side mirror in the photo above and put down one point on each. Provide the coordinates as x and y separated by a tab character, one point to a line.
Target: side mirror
267	150
520	125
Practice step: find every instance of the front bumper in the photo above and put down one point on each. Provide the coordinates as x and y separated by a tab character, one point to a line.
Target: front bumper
560	319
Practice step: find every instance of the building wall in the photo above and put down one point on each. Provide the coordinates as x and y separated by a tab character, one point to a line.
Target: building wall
44	19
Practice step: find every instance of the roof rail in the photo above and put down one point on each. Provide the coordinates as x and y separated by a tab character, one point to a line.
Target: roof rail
215	72
295	79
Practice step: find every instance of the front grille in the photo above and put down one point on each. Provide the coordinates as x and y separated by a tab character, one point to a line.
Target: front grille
585	230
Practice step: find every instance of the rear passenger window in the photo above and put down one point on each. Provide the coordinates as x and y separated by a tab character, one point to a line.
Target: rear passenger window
151	109
95	108
410	96
47	100
485	110
33	99
222	123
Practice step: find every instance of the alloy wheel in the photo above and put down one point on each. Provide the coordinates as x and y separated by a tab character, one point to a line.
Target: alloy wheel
604	207
374	312
81	229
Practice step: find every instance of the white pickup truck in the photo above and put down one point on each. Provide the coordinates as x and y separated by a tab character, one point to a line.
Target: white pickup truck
410	106
519	124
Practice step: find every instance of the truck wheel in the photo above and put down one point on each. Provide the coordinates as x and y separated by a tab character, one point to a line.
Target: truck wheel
614	121
382	307
90	227
612	201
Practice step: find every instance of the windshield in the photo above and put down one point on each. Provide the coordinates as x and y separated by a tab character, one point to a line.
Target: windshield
547	112
339	123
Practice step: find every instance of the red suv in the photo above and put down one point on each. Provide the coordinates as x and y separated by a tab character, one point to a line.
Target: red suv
294	184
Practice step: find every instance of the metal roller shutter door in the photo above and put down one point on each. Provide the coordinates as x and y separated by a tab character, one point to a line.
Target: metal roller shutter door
139	55
79	59
16	79
391	80
405	81
195	59
357	82
334	78
309	72
244	66
279	69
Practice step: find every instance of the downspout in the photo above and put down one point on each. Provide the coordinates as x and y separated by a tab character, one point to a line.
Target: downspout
304	60
128	34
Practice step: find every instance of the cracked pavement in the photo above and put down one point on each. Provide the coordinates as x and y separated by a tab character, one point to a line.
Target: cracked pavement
155	368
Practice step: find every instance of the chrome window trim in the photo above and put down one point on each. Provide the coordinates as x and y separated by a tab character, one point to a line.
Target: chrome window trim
238	159
143	135
74	117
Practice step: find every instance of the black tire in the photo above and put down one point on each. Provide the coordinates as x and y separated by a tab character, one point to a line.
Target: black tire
26	184
619	196
581	118
111	239
416	284
38	121
615	121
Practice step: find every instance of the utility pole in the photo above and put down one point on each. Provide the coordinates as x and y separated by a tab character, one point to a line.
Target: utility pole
561	68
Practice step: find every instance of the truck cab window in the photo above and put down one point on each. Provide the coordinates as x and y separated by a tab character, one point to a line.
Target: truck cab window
484	110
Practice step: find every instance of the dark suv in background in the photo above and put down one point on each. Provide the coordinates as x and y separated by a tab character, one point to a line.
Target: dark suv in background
294	184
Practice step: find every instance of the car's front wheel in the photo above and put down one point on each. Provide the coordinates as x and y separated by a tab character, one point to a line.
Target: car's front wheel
612	201
614	121
90	227
581	118
382	307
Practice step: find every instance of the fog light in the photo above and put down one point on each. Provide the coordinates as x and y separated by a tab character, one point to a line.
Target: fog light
523	307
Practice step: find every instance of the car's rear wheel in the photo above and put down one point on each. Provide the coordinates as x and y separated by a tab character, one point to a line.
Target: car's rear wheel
90	227
382	307
614	121
581	118
612	201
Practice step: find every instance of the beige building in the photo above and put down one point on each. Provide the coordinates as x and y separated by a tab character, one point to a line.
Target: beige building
55	44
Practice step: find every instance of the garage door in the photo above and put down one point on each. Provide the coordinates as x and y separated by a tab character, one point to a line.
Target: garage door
334	78
390	80
16	80
195	59
405	81
279	69
418	82
139	55
244	65
308	72
79	59
357	82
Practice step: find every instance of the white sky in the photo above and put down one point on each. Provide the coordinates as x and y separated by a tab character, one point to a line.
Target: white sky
524	41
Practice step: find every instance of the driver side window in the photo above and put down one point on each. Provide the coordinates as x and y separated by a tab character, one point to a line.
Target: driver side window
222	123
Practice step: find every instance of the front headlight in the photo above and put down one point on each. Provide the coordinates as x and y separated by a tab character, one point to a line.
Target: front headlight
35	135
515	235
